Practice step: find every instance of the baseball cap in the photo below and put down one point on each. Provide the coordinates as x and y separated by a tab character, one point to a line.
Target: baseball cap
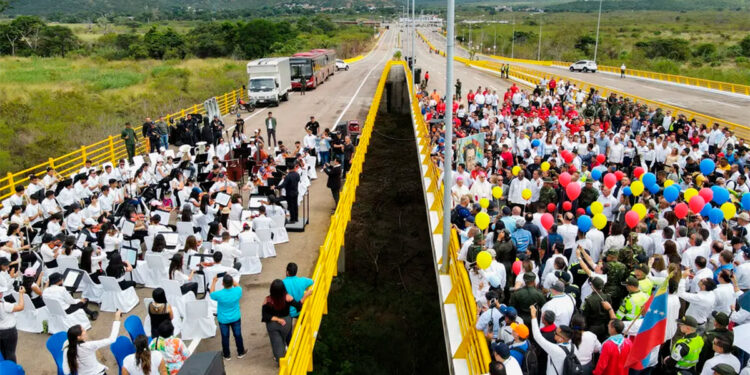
558	286
724	369
688	321
564	276
597	283
510	312
744	216
631	281
520	329
501	349
529	276
721	318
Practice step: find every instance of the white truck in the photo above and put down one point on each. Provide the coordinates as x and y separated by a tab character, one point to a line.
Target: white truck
269	80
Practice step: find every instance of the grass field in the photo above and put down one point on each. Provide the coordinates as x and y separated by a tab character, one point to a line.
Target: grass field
712	39
51	106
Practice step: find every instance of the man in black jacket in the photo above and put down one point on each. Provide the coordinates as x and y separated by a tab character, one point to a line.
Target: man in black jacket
334	178
290	184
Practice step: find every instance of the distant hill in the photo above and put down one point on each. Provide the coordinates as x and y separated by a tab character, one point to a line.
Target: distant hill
675	5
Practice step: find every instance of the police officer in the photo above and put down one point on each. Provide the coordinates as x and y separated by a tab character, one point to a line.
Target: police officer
630	308
685	351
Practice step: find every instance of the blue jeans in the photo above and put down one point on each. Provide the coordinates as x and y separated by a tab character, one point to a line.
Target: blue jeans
165	141
237	332
325	157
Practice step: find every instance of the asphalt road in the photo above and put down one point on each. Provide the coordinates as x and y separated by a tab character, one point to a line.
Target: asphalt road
725	106
345	96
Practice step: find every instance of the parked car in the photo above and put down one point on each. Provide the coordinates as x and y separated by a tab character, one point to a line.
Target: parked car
350	128
583	66
341	65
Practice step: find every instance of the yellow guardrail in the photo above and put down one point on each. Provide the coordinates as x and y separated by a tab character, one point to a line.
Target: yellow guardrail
674	78
108	150
360	57
298	359
473	347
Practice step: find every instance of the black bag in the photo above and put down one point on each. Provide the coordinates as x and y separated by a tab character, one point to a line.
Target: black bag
530	364
571	364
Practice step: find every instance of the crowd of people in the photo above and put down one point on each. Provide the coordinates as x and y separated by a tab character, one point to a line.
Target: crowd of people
97	215
579	216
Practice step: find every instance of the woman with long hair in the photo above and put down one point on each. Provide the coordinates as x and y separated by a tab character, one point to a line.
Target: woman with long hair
175	273
144	361
586	343
79	354
159	310
31	283
160	244
91	262
275	313
118	268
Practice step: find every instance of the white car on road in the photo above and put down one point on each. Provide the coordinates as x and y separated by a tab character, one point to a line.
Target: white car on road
341	65
583	66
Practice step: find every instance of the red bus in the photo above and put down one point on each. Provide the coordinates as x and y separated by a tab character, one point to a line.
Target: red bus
313	67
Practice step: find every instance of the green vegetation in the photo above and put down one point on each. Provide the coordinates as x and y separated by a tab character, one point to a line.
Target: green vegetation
643	5
705	44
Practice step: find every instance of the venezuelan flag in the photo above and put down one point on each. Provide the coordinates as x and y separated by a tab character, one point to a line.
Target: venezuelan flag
651	333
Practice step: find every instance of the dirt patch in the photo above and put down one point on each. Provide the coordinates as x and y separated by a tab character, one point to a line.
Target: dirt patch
383	312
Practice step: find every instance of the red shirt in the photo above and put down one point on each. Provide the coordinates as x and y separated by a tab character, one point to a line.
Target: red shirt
552	84
470	97
612	358
507	158
513	88
441	107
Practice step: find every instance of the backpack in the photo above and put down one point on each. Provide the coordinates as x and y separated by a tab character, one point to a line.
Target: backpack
529	364
571	364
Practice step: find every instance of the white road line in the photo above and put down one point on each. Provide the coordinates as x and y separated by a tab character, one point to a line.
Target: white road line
358	89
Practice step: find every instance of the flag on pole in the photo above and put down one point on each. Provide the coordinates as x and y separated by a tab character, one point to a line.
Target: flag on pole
651	333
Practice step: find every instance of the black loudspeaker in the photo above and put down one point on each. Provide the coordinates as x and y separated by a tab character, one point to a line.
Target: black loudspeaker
204	363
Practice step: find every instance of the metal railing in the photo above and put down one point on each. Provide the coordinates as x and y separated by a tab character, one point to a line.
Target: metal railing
108	150
298	359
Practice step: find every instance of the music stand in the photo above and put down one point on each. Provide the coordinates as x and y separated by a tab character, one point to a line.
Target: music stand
201	158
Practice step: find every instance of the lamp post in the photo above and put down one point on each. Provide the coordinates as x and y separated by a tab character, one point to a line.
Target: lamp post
598	22
448	123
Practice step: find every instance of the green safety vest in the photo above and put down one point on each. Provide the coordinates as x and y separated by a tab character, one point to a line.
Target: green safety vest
646	285
631	307
691	359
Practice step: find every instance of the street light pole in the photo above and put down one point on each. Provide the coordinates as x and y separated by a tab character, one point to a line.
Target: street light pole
448	123
598	22
539	52
513	39
413	36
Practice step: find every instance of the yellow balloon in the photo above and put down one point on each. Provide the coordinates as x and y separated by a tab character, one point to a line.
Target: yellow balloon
689	193
482	220
484	203
729	210
636	188
668	183
640	209
516	170
599	220
526	194
497	192
484	259
545	166
597	208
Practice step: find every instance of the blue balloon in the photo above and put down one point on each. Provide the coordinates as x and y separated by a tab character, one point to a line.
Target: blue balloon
715	216
671	193
746	201
596	174
588	210
707	210
535	143
707	166
654	188
649	179
627	191
584	223
721	194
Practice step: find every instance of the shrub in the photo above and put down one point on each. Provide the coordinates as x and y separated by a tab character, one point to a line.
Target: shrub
670	48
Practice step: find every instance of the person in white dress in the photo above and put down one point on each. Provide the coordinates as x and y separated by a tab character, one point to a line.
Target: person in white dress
79	354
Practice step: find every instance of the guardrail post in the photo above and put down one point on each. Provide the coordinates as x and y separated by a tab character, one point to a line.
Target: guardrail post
83	154
11	183
51	163
112	149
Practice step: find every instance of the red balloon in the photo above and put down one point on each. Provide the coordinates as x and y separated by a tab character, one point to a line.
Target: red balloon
573	190
681	210
567	156
572	168
517	265
580	211
547	221
610	180
564	179
707	194
601	158
696	203
551	207
632	219
567	205
638	171
619	175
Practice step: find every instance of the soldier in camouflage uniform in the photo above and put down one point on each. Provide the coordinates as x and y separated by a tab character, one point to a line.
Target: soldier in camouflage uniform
590	111
588	193
547	194
616	275
630	255
596	317
475	248
658	117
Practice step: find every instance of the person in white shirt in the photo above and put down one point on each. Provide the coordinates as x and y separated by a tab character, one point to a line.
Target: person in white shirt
83	359
230	252
698	272
481	188
458	190
262	221
8	331
55	291
701	304
724	293
501	354
74	221
50	179
49	205
555	352
144	361
67	196
213	268
562	304
723	355
517	186
569	232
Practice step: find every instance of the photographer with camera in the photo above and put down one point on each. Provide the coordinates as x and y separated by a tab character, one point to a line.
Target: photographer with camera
333	170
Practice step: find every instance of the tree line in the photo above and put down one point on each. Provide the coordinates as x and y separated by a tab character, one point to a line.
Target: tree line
32	36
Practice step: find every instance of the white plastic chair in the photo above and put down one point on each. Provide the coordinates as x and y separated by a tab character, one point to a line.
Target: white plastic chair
90	290
184	230
157	268
60	321
279	230
115	298
175	296
266	244
149	241
235	212
176	319
30	318
202	324
310	162
250	260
